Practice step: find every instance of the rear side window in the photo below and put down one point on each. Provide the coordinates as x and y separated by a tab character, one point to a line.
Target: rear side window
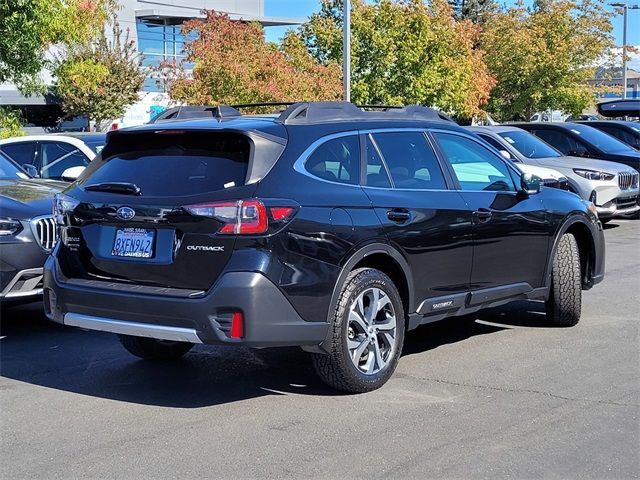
23	153
410	160
173	164
336	160
561	141
58	156
476	167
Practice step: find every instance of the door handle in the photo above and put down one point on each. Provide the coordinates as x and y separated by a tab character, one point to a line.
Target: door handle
398	215
483	215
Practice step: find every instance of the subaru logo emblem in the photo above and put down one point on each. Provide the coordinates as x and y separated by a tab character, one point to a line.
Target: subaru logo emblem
125	213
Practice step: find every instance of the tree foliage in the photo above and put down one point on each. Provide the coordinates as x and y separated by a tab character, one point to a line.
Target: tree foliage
10	125
542	57
478	11
29	27
99	79
405	52
232	63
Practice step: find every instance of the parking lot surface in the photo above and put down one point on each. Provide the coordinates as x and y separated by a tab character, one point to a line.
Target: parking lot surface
500	394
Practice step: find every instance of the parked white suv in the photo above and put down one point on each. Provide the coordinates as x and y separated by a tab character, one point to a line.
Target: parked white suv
611	186
54	156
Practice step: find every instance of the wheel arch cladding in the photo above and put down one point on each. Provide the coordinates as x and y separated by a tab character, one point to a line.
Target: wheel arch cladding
390	267
586	249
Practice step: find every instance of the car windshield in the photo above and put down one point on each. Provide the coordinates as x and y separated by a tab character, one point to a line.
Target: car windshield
599	139
529	145
9	170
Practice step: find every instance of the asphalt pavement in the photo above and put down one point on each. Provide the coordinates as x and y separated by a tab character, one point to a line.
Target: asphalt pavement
497	395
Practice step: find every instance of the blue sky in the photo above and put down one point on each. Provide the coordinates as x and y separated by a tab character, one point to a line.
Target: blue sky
304	8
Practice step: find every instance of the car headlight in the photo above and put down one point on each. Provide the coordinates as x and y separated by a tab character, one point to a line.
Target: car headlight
9	227
63	204
594	174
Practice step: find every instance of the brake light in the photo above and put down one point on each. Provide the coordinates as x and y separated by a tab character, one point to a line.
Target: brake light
239	217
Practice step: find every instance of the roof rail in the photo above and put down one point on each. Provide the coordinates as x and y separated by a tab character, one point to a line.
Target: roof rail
318	112
185	112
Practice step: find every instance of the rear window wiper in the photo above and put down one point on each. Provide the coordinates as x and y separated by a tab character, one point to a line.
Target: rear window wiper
115	187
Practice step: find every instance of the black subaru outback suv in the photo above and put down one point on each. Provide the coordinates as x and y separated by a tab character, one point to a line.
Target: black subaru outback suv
328	227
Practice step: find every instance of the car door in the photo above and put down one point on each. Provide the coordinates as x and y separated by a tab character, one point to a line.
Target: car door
56	157
430	223
511	230
23	153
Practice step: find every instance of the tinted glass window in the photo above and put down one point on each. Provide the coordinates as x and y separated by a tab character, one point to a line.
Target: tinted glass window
336	160
9	170
559	140
58	156
411	160
22	153
622	135
528	145
475	166
376	172
599	139
173	165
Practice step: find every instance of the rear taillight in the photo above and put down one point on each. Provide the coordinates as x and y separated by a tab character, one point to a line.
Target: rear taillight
239	217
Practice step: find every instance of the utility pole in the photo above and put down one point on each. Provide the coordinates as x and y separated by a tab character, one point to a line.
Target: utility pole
346	50
625	7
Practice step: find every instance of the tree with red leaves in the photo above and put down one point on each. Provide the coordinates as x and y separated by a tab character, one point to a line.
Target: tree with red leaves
232	63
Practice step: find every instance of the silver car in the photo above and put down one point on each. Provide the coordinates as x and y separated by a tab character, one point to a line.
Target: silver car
612	187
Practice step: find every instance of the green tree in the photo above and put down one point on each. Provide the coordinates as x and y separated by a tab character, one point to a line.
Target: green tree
232	63
542	57
478	11
99	79
10	125
29	27
405	52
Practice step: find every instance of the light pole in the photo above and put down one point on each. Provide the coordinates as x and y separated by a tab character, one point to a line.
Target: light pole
346	50
625	7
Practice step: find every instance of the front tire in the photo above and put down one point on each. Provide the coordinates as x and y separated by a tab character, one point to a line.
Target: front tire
367	335
152	349
565	297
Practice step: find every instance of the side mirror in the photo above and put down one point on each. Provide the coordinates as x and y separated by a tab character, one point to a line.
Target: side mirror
72	174
529	183
30	169
505	154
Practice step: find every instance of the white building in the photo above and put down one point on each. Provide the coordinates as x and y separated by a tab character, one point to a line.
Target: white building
155	26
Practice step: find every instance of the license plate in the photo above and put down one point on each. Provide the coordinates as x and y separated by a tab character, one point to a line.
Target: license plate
133	242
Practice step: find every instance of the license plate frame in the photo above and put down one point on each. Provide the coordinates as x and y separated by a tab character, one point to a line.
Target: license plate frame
131	242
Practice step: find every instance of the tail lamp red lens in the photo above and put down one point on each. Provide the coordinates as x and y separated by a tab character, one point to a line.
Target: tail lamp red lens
281	213
237	325
239	217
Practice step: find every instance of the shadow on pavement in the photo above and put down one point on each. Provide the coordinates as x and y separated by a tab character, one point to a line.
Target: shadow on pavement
36	351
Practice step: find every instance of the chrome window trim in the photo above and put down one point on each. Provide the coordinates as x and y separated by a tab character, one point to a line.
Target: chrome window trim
299	164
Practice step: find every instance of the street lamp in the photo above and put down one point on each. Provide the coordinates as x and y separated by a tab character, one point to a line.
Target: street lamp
625	7
346	50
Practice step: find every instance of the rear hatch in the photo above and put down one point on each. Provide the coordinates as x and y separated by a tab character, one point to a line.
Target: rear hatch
161	208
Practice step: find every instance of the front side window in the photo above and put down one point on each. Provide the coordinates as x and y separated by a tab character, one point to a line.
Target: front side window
336	160
411	161
475	166
58	156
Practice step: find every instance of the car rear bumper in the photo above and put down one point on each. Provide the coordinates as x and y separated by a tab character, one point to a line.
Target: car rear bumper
191	316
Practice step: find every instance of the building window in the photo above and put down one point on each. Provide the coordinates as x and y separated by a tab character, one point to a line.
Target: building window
159	41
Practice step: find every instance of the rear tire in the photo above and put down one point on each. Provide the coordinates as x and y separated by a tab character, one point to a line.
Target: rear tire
565	297
152	349
366	342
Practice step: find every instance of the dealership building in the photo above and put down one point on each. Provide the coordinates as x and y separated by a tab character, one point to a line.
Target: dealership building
155	27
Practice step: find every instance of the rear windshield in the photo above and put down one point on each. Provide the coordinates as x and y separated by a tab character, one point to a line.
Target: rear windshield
173	164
